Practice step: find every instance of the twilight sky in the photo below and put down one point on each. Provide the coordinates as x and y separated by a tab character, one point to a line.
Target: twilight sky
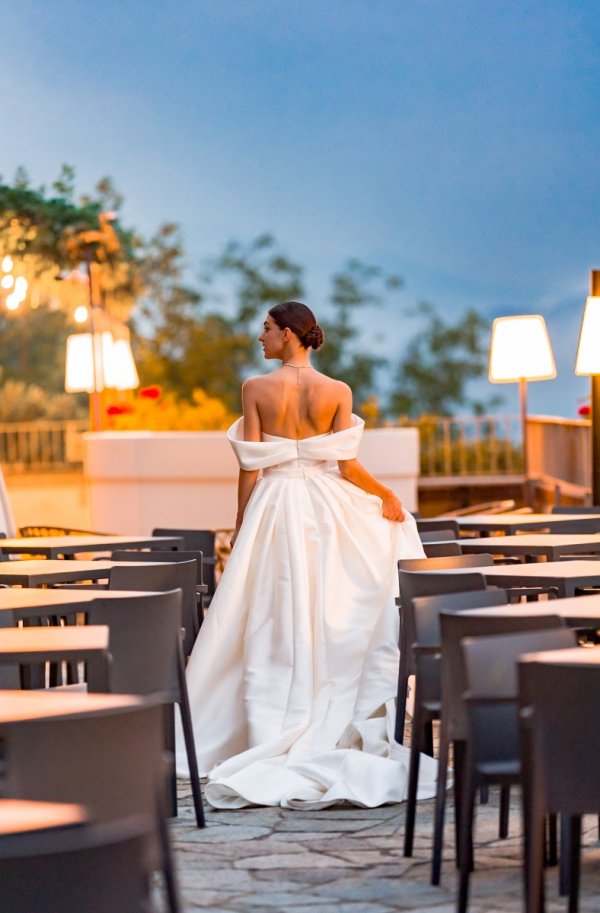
455	142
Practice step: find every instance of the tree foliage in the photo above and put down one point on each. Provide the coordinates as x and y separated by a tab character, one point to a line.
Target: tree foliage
439	363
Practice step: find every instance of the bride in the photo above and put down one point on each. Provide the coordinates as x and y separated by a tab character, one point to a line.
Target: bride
292	680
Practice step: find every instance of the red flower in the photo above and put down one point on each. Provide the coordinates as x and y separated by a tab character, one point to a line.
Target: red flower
119	410
584	410
152	392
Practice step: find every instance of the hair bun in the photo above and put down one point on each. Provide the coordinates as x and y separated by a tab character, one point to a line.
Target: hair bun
313	338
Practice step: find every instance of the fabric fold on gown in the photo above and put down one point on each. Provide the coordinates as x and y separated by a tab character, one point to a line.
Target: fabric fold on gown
293	677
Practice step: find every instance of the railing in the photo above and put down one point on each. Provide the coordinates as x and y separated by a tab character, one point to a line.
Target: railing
559	449
471	445
41	446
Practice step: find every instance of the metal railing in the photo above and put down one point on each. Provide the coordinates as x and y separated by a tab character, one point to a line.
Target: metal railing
469	445
42	446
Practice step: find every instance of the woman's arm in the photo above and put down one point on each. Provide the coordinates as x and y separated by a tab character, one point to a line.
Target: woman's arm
247	478
355	472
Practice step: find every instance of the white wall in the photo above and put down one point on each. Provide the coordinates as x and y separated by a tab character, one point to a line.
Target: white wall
140	480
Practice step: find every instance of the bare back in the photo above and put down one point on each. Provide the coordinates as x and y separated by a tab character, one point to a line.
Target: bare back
295	403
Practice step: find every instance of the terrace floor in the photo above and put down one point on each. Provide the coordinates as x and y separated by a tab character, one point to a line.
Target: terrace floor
349	860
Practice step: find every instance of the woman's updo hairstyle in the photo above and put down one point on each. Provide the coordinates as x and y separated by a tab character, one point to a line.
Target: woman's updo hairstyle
301	321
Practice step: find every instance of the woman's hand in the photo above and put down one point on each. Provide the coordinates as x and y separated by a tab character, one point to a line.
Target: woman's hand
392	507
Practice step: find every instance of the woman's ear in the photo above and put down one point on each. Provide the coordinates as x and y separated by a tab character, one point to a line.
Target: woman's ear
287	334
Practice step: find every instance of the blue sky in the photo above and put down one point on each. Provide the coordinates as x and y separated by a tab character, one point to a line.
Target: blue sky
454	142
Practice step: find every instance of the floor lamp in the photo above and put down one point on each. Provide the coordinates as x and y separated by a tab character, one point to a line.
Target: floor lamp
520	351
588	362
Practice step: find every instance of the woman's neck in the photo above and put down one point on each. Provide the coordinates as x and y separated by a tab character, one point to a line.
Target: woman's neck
298	358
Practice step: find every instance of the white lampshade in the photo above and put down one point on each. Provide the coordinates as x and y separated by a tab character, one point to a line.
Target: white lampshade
588	350
114	363
520	350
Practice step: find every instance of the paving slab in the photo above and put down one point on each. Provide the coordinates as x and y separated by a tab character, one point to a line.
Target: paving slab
349	860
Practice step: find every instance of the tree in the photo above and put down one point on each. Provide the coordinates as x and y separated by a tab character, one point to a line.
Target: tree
354	287
439	363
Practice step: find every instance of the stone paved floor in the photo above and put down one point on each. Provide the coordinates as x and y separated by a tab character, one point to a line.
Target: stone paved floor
349	860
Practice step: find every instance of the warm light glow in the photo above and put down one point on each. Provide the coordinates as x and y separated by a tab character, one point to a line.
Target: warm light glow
114	363
80	314
520	350
121	371
588	350
21	286
7	282
7	264
12	301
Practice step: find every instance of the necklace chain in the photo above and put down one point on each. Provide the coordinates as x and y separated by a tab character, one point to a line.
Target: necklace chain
288	364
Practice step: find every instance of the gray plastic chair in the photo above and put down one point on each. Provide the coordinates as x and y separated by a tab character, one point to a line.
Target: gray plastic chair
454	723
98	868
426	651
437	523
202	540
111	761
413	581
438	535
492	754
448	549
169	557
147	659
560	732
589	509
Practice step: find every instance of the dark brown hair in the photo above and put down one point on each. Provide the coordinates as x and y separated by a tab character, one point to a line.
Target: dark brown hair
301	321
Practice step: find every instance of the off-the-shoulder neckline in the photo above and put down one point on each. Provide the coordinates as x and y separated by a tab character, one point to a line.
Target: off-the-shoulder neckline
357	422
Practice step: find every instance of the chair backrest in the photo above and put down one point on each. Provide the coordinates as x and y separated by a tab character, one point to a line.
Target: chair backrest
416	583
96	868
454	628
144	640
491	672
589	509
444	563
437	523
199	540
426	609
180	575
162	558
582	525
447	549
112	761
438	535
565	727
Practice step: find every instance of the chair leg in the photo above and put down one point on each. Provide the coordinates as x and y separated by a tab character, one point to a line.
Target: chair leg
168	864
574	831
190	745
466	837
504	810
459	758
413	779
170	749
401	697
440	808
552	852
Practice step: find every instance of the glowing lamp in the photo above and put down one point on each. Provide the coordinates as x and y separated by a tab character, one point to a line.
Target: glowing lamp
520	351
106	363
588	350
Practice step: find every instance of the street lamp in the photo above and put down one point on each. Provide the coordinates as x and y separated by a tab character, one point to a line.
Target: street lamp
520	351
588	362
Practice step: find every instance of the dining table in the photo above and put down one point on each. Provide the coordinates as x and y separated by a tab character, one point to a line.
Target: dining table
21	706
534	546
57	546
511	523
69	643
577	611
19	604
18	816
566	576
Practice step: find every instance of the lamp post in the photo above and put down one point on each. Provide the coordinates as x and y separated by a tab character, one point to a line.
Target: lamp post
588	362
520	350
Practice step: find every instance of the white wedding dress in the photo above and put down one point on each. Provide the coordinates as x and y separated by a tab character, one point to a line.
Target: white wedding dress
293	678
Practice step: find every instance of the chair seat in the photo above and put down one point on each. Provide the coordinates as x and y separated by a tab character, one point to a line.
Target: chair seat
500	769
